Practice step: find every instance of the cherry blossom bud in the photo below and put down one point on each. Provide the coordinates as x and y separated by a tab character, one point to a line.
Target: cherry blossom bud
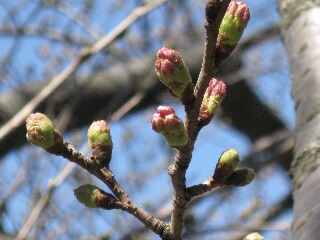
172	71
41	131
231	29
212	99
254	236
100	141
241	177
93	197
166	122
228	163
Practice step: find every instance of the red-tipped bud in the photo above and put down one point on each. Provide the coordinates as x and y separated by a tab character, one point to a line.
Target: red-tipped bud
212	99
93	197
100	140
166	122
241	177
254	236
172	71
231	29
41	131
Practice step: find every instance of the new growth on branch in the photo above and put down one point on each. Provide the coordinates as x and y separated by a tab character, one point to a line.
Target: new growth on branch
225	23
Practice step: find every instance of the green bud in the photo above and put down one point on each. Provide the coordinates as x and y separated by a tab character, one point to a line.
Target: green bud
231	29
230	158
227	164
166	122
93	197
254	236
99	133
100	141
40	130
172	71
87	194
234	22
241	177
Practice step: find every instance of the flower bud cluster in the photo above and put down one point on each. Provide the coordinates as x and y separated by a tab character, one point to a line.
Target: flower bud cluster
166	122
212	99
172	71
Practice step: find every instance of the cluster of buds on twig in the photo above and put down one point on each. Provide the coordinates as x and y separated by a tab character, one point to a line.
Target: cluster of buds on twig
231	29
166	122
100	141
227	172
41	132
172	71
212	99
174	74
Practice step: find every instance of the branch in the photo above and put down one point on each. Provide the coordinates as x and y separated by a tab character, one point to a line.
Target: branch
61	177
214	15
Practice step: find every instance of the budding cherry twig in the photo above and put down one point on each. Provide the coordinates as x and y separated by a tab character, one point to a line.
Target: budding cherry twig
224	27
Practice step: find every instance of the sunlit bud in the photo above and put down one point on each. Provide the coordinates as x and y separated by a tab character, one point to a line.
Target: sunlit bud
99	133
231	29
212	99
93	197
254	236
241	177
41	131
166	122
227	164
99	139
172	71
86	194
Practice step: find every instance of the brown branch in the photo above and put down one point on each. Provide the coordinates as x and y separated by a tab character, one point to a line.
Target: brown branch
215	11
107	177
209	65
67	151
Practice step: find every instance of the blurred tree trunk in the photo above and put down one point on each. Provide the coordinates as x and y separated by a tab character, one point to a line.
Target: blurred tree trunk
301	34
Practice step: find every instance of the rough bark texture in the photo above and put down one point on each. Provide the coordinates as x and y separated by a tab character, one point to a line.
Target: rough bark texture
301	34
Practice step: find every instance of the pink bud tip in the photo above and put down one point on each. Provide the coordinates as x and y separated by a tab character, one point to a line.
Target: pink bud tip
216	88
240	10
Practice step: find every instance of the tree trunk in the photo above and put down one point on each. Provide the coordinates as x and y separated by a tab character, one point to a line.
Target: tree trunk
301	34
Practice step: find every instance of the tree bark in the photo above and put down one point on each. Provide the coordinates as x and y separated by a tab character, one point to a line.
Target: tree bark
301	35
